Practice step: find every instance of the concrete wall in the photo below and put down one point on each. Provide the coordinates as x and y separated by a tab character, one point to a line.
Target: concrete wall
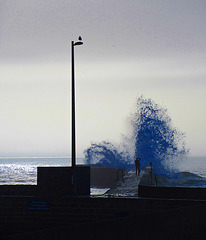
19	215
105	177
18	190
54	181
148	188
172	192
57	181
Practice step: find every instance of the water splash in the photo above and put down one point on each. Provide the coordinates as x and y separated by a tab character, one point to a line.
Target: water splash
107	155
153	137
156	140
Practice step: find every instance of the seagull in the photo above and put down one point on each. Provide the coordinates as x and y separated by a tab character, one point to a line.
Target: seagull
80	38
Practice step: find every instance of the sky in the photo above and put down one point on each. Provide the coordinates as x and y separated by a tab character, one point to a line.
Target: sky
155	48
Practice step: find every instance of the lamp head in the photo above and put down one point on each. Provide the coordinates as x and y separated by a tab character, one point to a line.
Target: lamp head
78	43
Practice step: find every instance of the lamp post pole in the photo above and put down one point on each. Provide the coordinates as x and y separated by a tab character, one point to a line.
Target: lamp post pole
73	147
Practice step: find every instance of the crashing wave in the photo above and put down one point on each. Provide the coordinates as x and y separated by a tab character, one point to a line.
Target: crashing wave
154	139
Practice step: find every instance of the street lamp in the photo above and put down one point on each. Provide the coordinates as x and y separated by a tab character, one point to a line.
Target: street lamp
73	147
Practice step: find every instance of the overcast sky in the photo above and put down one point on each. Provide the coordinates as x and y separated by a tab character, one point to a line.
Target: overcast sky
152	47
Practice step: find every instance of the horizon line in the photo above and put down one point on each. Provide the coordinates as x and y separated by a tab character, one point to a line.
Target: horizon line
36	157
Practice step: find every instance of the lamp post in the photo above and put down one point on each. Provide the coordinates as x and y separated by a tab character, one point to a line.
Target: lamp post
73	147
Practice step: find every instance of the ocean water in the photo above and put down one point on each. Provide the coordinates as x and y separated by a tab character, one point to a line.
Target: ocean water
15	171
192	173
196	165
24	170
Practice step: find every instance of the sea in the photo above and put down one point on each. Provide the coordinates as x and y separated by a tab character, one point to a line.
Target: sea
191	173
23	170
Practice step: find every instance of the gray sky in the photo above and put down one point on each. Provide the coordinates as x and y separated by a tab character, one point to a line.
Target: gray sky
152	47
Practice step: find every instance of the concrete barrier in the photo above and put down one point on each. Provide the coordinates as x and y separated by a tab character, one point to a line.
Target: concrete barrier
149	188
105	177
57	181
18	190
131	218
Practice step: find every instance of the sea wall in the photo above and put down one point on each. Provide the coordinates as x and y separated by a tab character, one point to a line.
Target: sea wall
66	209
86	215
105	177
58	181
18	190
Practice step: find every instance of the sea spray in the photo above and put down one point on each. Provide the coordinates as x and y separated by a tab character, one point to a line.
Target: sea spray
107	155
154	140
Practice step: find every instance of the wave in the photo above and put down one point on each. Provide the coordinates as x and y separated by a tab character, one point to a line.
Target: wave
107	155
153	139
